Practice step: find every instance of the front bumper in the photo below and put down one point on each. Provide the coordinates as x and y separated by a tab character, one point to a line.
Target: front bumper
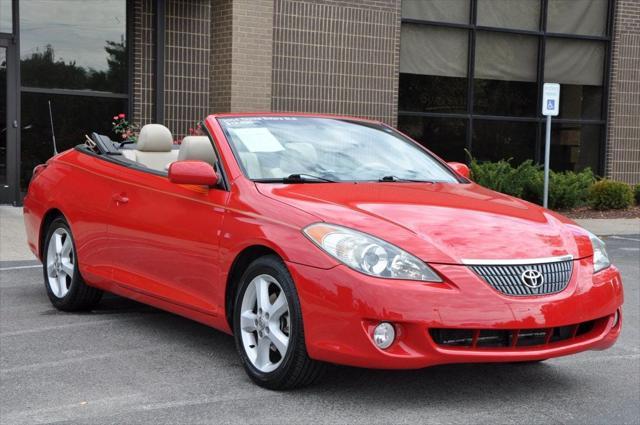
340	308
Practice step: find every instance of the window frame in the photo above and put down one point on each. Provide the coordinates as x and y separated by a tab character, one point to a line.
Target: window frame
469	115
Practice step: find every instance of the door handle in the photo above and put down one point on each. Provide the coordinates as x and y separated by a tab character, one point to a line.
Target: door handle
120	198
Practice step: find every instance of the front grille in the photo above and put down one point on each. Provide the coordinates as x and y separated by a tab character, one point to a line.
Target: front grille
509	338
508	279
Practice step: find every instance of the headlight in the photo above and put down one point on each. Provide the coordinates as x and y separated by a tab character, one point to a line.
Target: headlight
369	255
600	256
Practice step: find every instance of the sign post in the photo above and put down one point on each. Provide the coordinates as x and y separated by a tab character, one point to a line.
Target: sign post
550	107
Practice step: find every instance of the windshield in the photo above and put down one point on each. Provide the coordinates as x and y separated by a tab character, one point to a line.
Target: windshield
323	149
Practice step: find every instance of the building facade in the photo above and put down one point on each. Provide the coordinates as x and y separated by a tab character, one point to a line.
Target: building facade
460	76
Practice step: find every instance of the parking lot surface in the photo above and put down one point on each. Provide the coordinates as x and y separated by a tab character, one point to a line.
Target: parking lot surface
128	363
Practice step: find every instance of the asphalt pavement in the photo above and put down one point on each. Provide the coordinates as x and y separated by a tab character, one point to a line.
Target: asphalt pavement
129	363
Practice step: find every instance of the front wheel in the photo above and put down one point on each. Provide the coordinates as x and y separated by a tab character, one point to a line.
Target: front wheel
65	287
267	325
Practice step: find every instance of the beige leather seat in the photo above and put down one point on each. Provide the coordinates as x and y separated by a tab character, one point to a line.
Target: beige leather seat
154	148
197	148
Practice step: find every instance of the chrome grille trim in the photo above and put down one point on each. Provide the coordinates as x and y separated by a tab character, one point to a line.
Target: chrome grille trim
516	262
506	278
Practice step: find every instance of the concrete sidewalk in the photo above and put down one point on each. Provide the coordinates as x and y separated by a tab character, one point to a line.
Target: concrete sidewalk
609	227
13	245
13	241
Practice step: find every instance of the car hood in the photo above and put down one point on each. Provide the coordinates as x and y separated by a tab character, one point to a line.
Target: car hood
439	222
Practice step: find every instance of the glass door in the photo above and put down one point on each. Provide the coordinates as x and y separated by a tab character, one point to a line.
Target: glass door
9	189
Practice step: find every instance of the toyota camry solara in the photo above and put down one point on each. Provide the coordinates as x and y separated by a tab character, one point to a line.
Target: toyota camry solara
319	239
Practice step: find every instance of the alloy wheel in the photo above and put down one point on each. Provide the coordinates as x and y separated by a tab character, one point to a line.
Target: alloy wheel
60	262
264	323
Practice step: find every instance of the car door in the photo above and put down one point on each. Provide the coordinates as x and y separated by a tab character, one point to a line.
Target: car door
165	239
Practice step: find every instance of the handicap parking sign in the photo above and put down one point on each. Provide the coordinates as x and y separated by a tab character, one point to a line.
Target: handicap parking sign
550	99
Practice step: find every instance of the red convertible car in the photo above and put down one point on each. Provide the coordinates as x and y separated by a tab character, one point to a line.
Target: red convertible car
319	239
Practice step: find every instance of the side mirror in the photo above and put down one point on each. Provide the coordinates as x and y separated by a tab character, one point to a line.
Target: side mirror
192	172
460	168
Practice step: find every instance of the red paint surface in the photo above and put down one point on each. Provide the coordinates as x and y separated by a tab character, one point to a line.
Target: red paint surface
172	246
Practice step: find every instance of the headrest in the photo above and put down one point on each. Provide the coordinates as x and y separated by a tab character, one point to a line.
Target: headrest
154	138
197	148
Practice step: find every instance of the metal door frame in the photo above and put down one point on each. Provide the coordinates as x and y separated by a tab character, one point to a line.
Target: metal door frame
10	192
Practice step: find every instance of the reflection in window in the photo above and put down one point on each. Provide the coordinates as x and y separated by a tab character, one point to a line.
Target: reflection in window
519	14
443	136
585	17
496	140
456	11
6	18
505	74
74	116
74	45
575	146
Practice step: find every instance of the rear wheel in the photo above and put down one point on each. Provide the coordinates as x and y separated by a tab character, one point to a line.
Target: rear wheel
65	287
267	324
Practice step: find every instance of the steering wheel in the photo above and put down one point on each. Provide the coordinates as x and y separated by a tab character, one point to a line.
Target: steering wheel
102	145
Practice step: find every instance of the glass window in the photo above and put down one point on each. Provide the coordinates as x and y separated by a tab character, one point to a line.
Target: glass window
74	45
433	66
578	65
519	14
505	74
73	117
273	148
446	137
456	11
585	17
580	101
574	61
496	140
575	146
6	17
430	93
433	50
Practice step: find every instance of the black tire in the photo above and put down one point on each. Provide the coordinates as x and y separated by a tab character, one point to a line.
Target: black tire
80	296
296	368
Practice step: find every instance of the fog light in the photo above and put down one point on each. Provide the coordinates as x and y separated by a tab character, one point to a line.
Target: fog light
616	319
383	335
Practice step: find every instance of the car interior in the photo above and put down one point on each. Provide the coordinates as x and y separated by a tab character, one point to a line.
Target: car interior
155	149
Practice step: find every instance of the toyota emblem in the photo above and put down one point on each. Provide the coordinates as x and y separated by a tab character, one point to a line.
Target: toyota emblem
532	278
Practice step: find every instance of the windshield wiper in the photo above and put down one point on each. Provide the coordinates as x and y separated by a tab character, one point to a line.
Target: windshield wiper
296	178
398	179
306	178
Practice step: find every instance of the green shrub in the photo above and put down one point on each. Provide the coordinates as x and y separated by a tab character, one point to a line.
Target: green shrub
566	189
609	194
637	193
502	177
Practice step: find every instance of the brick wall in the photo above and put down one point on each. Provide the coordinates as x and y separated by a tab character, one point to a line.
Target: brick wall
221	55
623	151
187	55
143	61
187	63
338	57
252	55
